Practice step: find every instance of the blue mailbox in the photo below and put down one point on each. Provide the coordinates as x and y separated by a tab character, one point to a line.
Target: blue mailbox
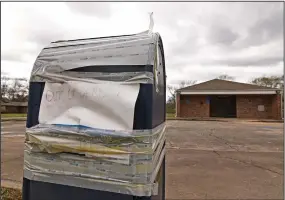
96	120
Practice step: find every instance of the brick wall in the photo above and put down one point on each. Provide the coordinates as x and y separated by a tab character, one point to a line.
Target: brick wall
193	106
177	105
14	109
276	106
247	106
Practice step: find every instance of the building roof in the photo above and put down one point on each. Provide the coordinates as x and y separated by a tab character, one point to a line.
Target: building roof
224	85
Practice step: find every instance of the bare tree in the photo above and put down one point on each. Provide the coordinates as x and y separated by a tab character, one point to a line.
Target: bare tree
186	83
172	89
269	81
4	89
226	77
272	82
14	89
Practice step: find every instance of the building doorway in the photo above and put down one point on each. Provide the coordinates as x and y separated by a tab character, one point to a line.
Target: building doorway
223	106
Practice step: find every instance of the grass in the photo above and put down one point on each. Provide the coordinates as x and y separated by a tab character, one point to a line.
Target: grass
12	115
170	115
10	194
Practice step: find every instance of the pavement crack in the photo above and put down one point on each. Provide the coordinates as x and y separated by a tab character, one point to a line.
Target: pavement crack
171	144
216	153
255	165
248	163
222	139
226	142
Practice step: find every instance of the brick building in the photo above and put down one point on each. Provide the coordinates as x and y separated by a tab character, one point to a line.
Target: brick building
14	107
220	98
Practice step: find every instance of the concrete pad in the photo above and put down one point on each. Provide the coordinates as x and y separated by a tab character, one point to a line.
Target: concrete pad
11	148
217	160
12	170
205	159
196	174
13	128
12	157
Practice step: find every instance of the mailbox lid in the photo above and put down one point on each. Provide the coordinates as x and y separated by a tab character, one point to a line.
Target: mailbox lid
118	52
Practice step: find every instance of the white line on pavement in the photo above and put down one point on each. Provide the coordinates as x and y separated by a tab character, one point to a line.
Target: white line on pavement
9	136
5	132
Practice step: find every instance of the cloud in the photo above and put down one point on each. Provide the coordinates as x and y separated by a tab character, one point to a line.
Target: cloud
3	73
23	69
188	43
33	28
204	73
219	35
11	56
266	30
43	37
87	8
243	61
201	39
232	27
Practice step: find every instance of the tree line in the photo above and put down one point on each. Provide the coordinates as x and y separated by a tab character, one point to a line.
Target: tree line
17	89
14	89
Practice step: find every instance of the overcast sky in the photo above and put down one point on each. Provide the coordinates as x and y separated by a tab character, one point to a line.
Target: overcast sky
201	40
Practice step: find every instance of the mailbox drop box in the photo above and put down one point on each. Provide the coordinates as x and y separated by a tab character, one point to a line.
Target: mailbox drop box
127	58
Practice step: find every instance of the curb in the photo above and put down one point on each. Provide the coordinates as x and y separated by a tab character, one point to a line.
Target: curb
11	184
265	121
193	119
224	120
14	119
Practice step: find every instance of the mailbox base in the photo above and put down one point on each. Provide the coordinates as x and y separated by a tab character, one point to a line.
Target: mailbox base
35	190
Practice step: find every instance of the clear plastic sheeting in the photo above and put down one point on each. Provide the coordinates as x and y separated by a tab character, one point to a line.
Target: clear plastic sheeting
85	135
97	183
62	56
126	161
55	139
137	169
79	146
97	77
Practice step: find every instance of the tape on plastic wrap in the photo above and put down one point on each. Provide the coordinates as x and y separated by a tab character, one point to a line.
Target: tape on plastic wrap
139	170
134	175
63	138
96	183
55	61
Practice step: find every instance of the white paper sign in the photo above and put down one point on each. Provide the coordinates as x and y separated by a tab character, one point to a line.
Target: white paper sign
105	106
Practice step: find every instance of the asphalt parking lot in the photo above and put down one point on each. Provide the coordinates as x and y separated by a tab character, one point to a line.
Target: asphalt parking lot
224	160
205	159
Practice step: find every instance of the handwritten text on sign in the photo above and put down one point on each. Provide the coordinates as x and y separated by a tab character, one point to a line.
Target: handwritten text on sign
72	93
106	106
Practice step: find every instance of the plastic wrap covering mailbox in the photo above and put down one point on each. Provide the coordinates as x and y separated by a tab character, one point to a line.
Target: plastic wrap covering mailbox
56	61
85	135
117	161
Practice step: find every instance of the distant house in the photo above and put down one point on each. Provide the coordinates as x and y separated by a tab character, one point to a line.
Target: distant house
221	98
14	107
